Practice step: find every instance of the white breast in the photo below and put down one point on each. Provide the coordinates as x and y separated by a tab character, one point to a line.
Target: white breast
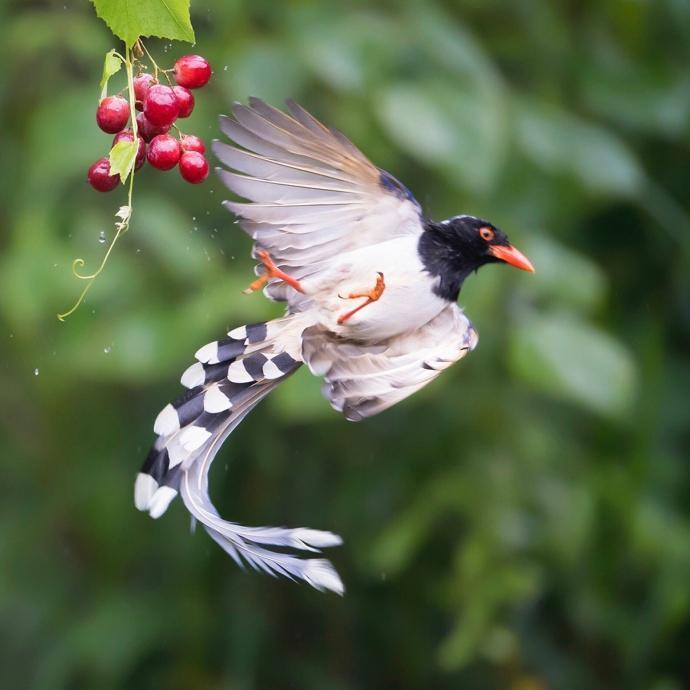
407	303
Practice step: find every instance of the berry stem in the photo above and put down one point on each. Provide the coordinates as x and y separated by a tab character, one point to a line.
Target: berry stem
122	226
120	229
156	68
132	99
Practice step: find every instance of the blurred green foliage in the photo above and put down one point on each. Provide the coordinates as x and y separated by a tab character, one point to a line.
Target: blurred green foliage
522	523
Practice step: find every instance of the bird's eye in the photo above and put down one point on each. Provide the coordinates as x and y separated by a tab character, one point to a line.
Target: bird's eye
486	234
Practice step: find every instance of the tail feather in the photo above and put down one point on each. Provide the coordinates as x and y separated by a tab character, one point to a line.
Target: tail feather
230	378
250	544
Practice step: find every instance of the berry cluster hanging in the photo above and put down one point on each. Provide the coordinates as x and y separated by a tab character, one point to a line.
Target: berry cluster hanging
144	119
160	105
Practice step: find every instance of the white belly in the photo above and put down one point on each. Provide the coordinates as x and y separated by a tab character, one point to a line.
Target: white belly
407	301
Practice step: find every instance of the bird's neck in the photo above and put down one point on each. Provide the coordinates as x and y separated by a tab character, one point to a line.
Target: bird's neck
443	259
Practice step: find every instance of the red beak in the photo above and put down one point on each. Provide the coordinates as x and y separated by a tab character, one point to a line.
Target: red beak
512	256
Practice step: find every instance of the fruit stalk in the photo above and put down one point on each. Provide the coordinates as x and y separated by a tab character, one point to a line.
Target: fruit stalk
123	225
132	99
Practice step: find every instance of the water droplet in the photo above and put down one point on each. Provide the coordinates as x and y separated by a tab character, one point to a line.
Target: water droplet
101	237
193	217
36	372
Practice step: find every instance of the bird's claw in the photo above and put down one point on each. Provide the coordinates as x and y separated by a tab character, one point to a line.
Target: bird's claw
371	296
272	271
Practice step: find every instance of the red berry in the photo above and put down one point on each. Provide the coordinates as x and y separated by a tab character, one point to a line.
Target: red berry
163	152
161	106
191	142
193	167
142	84
192	71
127	135
99	176
185	100
147	129
112	114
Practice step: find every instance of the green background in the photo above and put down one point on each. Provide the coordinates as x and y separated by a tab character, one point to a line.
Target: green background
523	523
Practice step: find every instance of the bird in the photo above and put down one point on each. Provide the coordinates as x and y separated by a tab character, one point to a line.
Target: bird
370	285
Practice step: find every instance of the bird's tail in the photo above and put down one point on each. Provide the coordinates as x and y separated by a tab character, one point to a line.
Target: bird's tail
231	376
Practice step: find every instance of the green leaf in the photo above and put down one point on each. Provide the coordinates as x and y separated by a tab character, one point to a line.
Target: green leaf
163	18
111	66
564	277
568	358
561	142
122	157
461	133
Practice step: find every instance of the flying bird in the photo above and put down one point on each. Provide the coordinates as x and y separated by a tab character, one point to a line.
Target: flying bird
371	286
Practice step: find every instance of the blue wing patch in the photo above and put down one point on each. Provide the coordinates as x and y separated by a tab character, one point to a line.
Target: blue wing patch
391	184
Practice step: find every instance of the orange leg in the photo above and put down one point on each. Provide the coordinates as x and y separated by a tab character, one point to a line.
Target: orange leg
371	295
272	271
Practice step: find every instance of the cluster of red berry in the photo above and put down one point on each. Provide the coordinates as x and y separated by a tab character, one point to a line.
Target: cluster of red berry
161	105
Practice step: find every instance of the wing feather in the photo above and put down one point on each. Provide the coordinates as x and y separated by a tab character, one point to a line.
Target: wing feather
270	169
280	192
313	195
306	119
362	380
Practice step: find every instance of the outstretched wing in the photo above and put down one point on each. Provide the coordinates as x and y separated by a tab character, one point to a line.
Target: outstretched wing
314	195
362	380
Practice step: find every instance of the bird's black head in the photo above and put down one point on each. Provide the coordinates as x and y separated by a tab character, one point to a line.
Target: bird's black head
453	248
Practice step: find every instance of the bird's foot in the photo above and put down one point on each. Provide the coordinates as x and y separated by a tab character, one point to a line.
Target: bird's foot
272	271
371	295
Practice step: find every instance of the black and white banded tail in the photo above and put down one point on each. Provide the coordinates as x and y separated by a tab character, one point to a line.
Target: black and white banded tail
230	377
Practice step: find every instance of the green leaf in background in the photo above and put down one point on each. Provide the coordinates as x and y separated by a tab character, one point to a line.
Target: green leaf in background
568	358
111	66
416	122
161	18
461	133
562	142
453	45
122	157
564	276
